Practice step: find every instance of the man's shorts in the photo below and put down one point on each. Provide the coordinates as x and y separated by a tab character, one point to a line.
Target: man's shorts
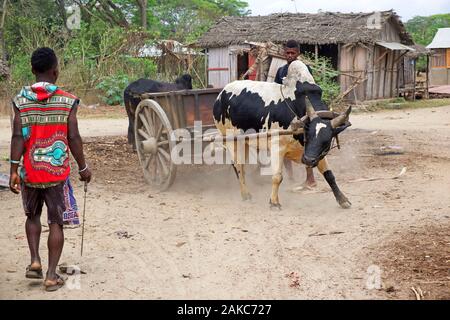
61	205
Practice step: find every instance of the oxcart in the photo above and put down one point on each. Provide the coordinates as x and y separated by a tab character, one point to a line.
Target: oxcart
159	114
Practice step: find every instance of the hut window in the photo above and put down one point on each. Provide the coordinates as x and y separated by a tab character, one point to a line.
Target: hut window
438	60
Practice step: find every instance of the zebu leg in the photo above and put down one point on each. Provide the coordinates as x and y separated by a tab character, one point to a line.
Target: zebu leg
329	177
238	164
277	178
245	194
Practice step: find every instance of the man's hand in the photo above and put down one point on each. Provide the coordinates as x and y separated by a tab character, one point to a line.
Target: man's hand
86	175
14	183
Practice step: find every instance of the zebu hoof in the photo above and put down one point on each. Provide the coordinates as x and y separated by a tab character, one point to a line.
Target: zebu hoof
344	203
274	206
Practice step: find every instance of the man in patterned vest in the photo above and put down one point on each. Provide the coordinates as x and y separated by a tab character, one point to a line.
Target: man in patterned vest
45	129
292	52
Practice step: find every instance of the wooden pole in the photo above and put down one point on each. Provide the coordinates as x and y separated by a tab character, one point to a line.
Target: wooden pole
317	53
414	91
428	77
206	67
398	78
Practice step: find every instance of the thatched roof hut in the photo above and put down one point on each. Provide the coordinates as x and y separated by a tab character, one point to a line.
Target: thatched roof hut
321	28
369	49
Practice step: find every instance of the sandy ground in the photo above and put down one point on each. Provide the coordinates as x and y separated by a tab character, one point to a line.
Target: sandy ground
200	241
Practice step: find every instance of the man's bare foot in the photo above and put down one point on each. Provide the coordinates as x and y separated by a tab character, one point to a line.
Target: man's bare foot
310	184
305	186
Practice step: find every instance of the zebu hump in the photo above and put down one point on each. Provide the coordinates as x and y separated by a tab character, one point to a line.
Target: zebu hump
270	93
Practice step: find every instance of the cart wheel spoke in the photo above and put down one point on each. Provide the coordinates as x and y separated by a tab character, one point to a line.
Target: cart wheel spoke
163	164
145	123
165	154
147	161
143	133
151	120
159	132
152	133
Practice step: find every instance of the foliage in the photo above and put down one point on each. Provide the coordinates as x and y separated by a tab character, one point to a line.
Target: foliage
423	29
102	53
325	76
113	88
186	20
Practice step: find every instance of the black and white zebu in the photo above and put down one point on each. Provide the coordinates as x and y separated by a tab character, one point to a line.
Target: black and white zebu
244	105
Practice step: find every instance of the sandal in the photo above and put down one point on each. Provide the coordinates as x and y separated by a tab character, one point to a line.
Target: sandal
34	273
53	285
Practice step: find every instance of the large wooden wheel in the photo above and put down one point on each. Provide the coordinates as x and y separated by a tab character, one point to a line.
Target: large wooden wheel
152	131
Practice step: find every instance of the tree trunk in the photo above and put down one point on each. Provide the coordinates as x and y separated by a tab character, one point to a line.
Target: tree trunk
143	10
3	53
62	11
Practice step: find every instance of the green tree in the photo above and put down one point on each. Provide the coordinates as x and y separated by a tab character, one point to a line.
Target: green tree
423	29
186	20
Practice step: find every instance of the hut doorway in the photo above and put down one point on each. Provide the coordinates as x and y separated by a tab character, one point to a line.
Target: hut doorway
243	63
330	51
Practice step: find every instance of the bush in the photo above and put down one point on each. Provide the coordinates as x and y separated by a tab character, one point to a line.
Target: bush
21	71
113	88
326	77
140	67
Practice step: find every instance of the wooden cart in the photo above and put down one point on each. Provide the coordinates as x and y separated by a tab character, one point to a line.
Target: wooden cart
157	115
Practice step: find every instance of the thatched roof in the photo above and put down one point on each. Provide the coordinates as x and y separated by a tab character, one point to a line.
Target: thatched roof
420	51
320	28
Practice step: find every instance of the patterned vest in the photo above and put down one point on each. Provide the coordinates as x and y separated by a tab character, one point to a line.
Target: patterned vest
44	110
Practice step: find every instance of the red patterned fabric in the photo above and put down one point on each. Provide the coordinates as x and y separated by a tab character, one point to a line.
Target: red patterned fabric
44	111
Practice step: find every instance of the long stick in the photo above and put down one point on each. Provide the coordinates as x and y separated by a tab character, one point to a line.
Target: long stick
84	214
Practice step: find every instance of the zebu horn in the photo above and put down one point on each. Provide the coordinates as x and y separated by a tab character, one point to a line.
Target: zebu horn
341	119
311	113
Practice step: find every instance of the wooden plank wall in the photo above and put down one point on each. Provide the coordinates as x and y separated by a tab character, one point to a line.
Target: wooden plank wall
377	63
391	61
352	65
218	58
225	59
390	33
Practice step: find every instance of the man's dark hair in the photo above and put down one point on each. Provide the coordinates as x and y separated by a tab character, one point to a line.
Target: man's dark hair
43	59
292	44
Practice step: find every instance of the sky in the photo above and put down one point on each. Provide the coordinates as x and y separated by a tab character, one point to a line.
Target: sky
404	8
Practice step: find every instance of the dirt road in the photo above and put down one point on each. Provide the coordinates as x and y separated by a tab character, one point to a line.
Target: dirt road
200	241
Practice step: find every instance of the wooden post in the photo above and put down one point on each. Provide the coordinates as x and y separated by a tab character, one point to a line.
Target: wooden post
414	91
398	78
206	67
317	53
427	94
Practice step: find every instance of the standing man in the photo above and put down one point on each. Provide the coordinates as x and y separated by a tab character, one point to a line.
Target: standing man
292	52
45	128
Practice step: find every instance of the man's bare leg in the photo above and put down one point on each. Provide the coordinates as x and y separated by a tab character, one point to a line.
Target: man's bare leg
55	246
289	170
33	230
310	180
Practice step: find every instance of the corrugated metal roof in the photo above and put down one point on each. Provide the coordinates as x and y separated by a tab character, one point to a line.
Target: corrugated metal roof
394	46
441	39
